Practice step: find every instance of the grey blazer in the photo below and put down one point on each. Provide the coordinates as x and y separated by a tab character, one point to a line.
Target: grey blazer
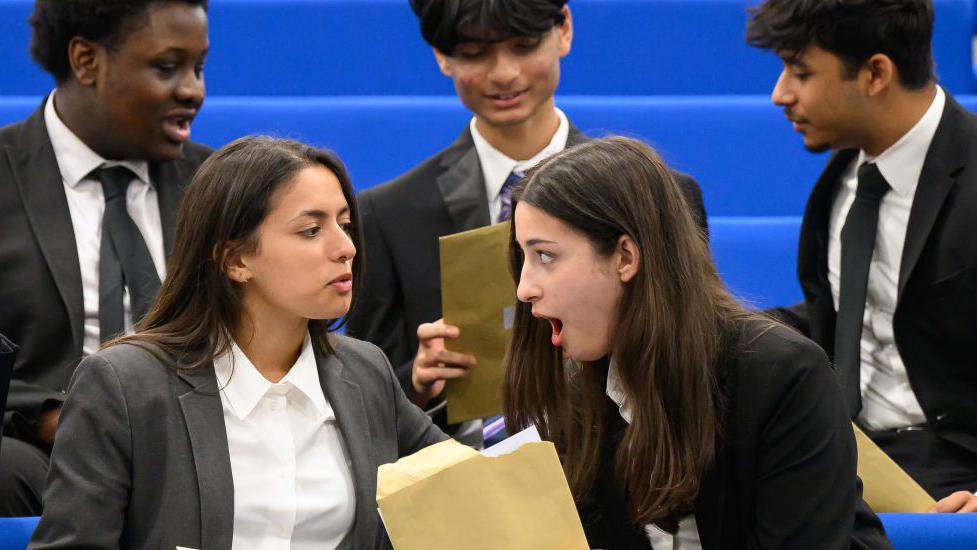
141	459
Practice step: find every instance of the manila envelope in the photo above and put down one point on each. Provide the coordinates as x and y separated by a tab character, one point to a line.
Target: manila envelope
478	296
451	496
887	488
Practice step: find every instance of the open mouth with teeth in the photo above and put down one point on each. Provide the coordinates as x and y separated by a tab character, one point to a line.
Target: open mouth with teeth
177	129
506	99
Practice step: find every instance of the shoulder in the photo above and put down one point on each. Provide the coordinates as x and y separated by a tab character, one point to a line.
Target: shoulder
196	153
773	357
12	134
351	351
136	363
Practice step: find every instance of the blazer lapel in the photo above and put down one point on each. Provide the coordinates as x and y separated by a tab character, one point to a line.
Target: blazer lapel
946	155
462	185
38	179
204	417
347	403
170	178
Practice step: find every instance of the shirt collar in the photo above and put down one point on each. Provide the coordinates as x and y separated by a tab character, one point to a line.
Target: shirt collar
902	163
496	166
615	390
243	386
76	160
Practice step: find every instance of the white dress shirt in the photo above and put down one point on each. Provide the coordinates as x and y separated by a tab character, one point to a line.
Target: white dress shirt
496	166
292	483
86	203
687	536
888	400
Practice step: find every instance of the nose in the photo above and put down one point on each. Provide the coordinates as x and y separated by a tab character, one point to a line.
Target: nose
505	68
781	94
191	88
344	249
528	290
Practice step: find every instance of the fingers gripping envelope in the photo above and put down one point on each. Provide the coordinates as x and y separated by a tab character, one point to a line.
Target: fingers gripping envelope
477	296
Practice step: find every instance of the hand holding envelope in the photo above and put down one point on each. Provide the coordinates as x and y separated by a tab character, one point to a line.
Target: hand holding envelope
451	496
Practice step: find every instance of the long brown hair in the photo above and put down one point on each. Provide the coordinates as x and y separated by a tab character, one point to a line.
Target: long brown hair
675	323
232	192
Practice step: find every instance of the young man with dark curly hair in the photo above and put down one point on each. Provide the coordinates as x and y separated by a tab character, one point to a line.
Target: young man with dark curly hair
504	58
89	185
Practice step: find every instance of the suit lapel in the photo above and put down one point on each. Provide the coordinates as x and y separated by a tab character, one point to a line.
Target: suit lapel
204	417
170	178
462	185
947	153
347	402
38	180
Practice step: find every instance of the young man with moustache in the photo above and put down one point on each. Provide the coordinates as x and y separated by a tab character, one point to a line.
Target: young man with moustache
504	59
887	258
89	186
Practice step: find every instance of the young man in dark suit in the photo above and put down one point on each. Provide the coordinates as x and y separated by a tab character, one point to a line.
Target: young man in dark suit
89	185
887	258
504	61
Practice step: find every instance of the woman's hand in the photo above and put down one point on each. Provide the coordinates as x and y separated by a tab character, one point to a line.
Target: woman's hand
959	502
434	364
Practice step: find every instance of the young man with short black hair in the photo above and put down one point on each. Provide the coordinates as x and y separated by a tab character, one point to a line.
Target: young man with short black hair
504	59
89	185
888	259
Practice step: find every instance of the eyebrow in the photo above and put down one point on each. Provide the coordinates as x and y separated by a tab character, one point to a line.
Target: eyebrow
534	242
320	214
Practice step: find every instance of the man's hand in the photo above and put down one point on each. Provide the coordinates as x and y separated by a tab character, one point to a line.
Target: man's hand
959	502
47	425
434	364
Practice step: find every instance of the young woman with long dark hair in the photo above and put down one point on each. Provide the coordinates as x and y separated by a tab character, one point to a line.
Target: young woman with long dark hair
683	419
233	418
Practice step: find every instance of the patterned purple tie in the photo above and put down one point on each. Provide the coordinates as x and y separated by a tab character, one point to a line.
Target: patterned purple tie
505	212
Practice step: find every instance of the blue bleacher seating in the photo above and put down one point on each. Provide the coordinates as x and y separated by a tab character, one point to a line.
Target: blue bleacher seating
931	531
16	532
345	47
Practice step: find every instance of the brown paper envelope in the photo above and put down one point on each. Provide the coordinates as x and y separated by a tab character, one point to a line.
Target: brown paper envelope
517	501
478	296
887	487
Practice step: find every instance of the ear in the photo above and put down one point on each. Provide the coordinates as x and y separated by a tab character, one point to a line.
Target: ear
443	62
234	264
564	32
628	258
84	57
879	73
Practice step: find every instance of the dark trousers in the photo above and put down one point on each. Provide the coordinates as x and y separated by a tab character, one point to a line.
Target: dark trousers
23	473
939	466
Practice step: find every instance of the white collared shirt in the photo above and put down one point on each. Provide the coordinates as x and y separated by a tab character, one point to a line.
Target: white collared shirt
888	400
687	536
496	166
86	203
292	483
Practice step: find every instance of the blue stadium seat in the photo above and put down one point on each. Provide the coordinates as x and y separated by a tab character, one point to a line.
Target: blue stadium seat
15	533
757	258
931	531
343	47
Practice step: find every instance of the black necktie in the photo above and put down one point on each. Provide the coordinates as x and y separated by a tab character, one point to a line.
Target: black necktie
124	259
505	212
857	246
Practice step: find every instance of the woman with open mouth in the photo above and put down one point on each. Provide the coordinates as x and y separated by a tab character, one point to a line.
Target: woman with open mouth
683	419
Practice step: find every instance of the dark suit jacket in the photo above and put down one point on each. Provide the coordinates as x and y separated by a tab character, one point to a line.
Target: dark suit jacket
935	320
784	475
402	220
141	458
40	278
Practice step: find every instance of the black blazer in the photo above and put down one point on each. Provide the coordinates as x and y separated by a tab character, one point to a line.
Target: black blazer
935	320
402	220
141	458
784	475
40	279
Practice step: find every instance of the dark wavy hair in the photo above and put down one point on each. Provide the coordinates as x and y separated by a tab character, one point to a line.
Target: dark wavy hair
676	324
198	306
447	23
56	22
854	30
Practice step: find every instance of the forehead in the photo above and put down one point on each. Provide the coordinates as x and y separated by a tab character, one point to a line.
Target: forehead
811	57
166	25
533	223
312	188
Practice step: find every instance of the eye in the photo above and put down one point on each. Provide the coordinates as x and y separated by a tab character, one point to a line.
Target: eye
469	51
347	227
528	44
311	232
545	257
164	68
198	69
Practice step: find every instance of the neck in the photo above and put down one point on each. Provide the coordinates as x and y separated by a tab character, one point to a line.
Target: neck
524	140
272	344
896	115
79	114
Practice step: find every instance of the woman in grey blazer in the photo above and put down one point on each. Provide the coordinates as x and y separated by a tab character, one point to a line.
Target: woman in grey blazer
154	449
